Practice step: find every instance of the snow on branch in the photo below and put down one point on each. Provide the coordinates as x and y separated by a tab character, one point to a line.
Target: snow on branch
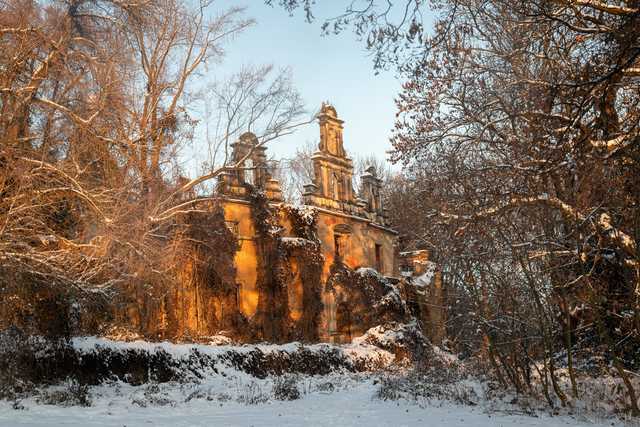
602	225
606	7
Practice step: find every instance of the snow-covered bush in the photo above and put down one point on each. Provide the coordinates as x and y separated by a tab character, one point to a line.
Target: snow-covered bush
70	393
28	361
434	375
405	341
418	387
153	395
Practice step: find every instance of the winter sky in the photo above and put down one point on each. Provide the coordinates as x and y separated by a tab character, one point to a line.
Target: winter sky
335	68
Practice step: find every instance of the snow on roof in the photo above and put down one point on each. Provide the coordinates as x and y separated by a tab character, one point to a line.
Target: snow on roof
426	278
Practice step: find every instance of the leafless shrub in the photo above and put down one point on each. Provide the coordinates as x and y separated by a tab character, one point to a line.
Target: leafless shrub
325	387
285	387
72	394
250	393
421	388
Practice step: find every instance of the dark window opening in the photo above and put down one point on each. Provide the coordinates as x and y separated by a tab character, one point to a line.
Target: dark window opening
379	257
338	245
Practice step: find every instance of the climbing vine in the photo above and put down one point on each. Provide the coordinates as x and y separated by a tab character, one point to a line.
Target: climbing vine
271	322
308	250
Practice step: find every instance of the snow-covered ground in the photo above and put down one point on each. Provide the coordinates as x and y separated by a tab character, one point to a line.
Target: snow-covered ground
352	405
222	395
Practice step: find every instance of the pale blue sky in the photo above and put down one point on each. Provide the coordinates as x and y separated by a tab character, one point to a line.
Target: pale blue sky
334	68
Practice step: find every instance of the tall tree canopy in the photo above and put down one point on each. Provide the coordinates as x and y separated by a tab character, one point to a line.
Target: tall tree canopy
96	102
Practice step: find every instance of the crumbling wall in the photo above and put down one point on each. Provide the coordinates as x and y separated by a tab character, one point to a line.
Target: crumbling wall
360	239
205	300
424	293
289	282
363	299
286	264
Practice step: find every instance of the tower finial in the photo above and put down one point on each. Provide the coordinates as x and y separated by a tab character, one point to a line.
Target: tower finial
328	110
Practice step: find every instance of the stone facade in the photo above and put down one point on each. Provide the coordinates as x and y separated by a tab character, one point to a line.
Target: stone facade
351	227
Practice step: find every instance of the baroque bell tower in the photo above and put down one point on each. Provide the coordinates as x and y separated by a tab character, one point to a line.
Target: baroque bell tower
333	170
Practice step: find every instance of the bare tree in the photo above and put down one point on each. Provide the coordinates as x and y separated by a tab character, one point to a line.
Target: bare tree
251	101
294	172
525	146
95	107
389	29
518	126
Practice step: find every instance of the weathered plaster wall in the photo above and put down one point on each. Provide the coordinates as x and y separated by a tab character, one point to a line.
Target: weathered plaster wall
237	213
359	238
359	246
358	249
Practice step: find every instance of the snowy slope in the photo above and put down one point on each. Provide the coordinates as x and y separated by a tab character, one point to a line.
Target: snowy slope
351	406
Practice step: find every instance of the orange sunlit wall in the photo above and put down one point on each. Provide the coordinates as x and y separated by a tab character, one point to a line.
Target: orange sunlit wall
358	239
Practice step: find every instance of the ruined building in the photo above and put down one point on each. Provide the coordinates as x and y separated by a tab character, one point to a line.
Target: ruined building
341	235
